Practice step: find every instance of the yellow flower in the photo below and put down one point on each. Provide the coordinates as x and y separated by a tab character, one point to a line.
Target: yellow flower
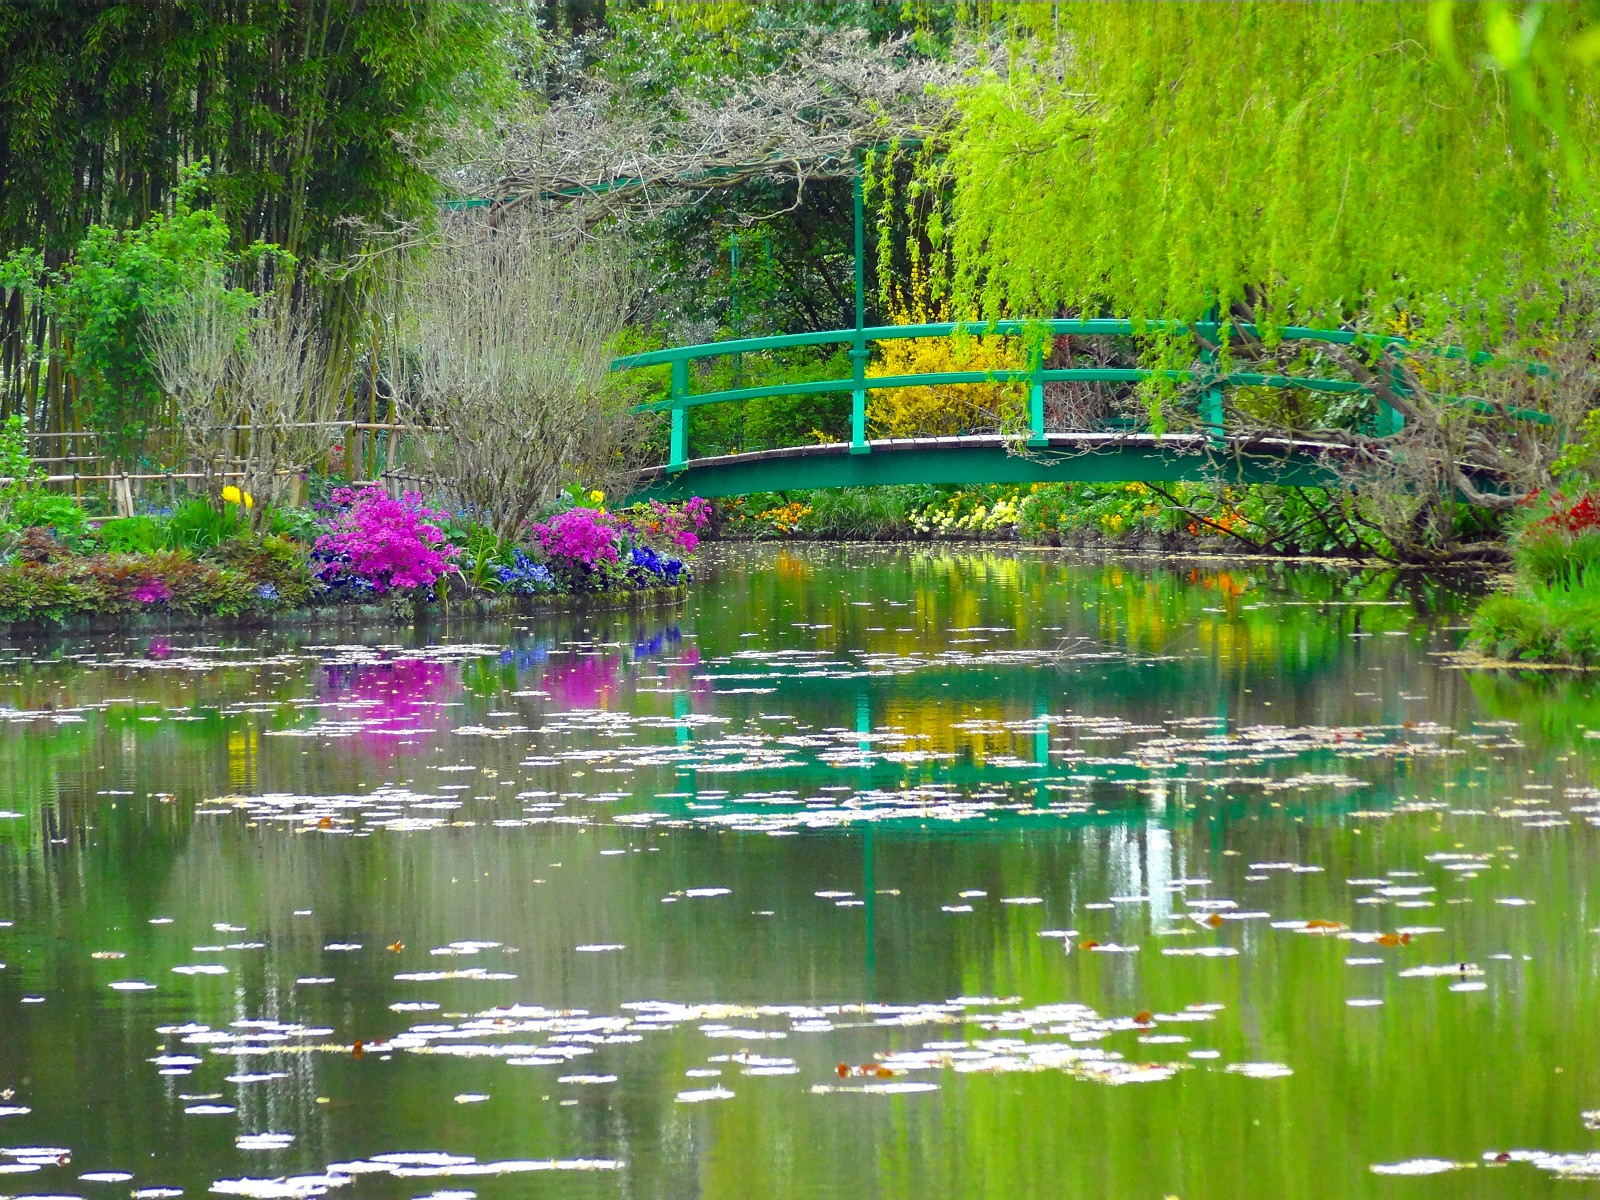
232	495
597	497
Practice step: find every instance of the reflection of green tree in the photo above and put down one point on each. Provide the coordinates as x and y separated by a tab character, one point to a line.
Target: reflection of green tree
1552	709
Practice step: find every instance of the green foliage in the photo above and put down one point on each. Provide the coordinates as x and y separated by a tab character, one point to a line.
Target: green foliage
770	421
1305	162
483	553
196	525
1544	558
1259	518
864	512
296	524
313	113
117	280
15	462
1555	622
281	563
165	581
57	511
132	535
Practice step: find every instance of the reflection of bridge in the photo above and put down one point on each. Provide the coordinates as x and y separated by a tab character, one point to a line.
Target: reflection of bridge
1031	455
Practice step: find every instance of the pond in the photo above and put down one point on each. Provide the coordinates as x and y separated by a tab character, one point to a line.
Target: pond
865	872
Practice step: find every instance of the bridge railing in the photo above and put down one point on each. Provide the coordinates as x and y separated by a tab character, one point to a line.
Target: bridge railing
1210	377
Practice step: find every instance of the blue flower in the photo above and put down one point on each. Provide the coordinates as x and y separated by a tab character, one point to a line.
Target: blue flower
268	593
525	576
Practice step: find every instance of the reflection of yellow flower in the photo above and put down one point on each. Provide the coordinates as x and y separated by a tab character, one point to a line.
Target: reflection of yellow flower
233	495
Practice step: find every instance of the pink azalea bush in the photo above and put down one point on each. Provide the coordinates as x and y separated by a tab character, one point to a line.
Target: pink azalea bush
151	591
579	537
678	525
376	542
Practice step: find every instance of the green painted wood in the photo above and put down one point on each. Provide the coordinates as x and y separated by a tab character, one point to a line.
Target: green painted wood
858	342
1080	374
977	464
888	333
1211	410
833	466
1036	390
678	454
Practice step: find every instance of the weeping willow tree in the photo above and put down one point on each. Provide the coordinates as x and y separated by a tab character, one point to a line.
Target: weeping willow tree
1299	163
1217	172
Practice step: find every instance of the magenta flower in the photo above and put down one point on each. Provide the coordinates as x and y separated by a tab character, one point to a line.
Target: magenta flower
383	542
581	537
152	591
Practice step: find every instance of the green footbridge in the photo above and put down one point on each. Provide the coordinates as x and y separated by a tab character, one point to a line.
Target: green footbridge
1031	455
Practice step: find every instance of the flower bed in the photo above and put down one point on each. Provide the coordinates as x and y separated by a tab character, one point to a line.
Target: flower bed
1131	514
359	548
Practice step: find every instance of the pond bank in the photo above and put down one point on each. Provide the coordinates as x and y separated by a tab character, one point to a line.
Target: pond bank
347	616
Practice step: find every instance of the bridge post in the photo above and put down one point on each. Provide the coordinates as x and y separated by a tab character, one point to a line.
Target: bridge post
1036	392
1211	398
858	346
1389	419
679	452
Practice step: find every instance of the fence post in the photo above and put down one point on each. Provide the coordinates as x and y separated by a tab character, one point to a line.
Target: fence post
1036	391
679	454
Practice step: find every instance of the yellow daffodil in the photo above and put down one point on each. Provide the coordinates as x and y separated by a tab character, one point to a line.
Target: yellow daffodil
597	497
232	495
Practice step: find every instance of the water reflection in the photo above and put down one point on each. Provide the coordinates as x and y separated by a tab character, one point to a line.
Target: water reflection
881	871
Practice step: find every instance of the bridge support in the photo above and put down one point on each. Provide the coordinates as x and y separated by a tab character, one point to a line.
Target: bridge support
858	344
1036	391
678	452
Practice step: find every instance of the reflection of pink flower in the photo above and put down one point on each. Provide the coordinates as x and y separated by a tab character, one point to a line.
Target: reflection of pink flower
584	683
396	700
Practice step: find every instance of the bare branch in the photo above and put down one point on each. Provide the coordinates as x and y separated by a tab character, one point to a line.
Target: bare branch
505	333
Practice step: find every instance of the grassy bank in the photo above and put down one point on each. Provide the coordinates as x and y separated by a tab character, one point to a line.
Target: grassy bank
1549	609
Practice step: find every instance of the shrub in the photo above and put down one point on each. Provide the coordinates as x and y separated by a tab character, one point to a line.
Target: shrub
166	581
1556	622
526	577
580	538
862	512
57	511
646	568
375	543
680	525
279	568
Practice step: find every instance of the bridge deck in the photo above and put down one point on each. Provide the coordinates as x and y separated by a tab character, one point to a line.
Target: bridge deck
973	459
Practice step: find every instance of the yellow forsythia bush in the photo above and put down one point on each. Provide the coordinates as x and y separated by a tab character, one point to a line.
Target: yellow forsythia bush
943	409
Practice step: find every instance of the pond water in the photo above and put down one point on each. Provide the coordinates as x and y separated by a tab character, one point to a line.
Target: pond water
864	873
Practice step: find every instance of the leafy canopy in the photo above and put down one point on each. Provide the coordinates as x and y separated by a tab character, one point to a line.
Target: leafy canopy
1303	163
